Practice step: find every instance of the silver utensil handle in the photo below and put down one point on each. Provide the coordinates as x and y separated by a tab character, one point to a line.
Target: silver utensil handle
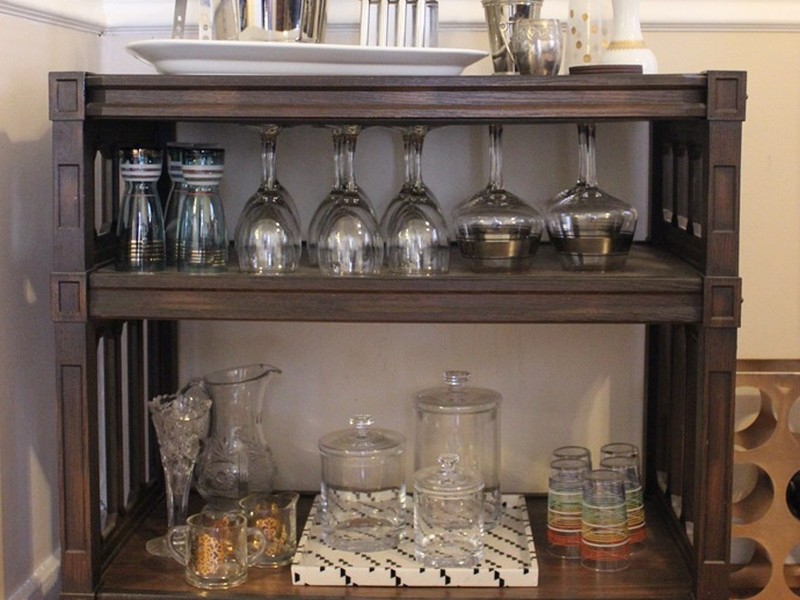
206	20
179	19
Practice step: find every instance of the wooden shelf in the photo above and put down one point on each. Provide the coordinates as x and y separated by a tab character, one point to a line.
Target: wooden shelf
683	284
657	572
654	287
389	99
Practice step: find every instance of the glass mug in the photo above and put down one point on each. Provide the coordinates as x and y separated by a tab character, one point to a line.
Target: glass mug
216	549
275	515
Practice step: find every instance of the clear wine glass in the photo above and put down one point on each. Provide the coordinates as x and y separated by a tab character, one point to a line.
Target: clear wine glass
413	225
496	230
312	239
350	242
590	229
267	237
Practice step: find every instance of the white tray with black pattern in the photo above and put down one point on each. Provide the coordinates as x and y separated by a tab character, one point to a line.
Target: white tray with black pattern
509	558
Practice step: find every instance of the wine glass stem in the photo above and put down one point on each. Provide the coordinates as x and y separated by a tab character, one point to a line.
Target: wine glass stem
269	137
495	157
413	142
338	159
416	158
348	156
408	181
586	154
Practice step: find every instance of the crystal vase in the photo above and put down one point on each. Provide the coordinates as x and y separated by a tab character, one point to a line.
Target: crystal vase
181	423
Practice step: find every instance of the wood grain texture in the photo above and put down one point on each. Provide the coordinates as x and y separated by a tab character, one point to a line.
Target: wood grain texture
682	283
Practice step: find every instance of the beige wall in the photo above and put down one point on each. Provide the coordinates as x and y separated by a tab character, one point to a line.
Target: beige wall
770	211
334	370
28	449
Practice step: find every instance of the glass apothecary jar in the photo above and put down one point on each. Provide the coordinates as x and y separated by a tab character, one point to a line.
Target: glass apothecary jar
464	420
448	515
363	492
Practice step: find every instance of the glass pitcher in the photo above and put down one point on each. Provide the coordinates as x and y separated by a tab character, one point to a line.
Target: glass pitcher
236	460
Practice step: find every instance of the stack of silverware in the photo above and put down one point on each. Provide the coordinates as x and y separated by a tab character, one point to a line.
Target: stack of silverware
399	23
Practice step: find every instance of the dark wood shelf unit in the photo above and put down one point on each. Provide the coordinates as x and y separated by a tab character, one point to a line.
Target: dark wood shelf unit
116	333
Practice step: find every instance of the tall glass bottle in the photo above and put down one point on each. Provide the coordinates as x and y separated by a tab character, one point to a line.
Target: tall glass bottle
590	229
202	235
140	223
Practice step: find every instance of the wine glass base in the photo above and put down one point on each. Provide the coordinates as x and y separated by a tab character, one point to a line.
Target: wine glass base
158	547
589	262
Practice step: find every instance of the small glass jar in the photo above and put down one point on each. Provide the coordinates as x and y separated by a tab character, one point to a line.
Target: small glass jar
363	492
448	515
464	420
140	224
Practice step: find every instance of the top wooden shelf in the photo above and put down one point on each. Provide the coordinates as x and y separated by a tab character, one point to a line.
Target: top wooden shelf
386	100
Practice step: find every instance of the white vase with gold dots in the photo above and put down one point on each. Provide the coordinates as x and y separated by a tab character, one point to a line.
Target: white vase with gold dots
588	32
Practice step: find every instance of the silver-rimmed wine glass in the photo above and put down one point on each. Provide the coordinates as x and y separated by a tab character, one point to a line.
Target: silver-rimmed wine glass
497	230
590	229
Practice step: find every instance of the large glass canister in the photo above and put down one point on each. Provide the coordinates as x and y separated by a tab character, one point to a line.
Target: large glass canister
464	420
448	515
363	492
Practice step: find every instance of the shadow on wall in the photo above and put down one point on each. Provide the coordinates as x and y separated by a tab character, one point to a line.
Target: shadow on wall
28	429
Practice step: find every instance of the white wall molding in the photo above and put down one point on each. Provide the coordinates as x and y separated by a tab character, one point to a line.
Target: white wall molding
43	582
154	17
83	15
657	15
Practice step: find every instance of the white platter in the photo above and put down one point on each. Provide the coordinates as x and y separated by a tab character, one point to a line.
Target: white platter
200	57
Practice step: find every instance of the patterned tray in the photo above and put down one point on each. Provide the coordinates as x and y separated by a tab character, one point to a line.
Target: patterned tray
509	558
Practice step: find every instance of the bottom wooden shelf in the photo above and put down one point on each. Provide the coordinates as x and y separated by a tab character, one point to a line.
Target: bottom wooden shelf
657	572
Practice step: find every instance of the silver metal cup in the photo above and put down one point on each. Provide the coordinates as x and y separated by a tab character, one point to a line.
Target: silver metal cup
501	19
537	46
284	20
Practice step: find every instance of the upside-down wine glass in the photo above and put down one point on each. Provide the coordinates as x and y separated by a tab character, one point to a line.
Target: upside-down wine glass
312	238
590	229
267	237
413	225
350	242
496	230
